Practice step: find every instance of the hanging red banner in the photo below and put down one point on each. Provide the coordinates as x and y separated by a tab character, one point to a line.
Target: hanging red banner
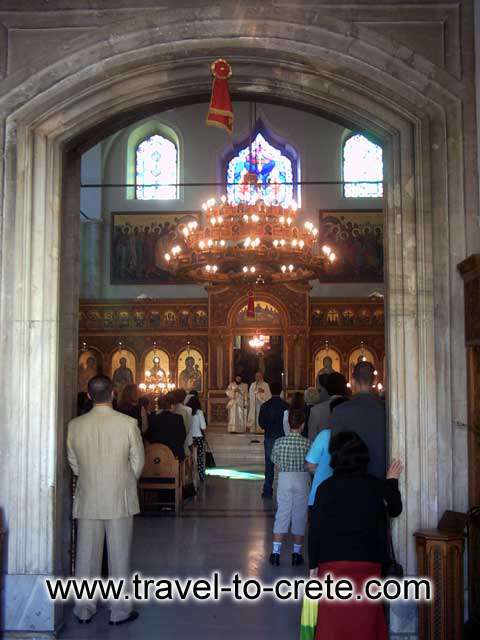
250	305
220	111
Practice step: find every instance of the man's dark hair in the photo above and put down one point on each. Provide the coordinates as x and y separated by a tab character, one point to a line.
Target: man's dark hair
336	384
100	389
322	380
276	388
194	404
180	395
297	402
296	418
363	373
349	454
171	399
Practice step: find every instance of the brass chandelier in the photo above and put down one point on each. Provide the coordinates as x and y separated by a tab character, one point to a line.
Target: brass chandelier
248	243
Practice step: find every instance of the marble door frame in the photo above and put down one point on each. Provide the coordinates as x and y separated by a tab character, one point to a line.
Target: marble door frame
404	105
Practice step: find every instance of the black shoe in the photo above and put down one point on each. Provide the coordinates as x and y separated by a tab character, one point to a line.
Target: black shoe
133	616
297	560
82	620
275	559
267	495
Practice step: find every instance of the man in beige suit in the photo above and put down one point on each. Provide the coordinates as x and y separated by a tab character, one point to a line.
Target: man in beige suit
105	451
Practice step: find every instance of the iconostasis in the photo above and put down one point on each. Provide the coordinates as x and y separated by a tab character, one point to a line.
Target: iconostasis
200	344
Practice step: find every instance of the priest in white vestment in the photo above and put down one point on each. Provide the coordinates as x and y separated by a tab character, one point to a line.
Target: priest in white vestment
237	393
258	394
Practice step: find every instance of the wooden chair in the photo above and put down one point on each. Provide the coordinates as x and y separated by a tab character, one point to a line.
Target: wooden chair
162	471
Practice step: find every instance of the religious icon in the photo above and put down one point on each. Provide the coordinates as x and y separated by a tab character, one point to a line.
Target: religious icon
326	362
89	365
157	363
358	241
139	241
190	370
169	318
123	369
124	319
264	313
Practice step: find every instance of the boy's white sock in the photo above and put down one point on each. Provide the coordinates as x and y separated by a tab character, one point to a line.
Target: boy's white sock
277	547
297	548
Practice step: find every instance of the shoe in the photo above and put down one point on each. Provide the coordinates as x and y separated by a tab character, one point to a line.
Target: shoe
267	495
275	559
82	620
133	616
297	560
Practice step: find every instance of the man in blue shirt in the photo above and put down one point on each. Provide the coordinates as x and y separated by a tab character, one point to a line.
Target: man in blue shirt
318	456
270	420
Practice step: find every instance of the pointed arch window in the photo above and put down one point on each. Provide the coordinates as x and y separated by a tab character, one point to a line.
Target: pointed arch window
156	169
262	169
362	163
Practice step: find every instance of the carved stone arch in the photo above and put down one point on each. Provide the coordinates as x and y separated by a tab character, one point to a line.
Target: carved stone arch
336	68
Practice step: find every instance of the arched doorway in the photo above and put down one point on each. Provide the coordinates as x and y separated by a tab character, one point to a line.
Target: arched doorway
44	137
266	319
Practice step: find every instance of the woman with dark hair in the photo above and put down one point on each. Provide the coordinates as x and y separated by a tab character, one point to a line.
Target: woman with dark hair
348	537
198	427
321	414
297	403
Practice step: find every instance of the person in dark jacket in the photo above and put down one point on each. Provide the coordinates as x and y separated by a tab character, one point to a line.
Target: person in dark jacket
128	404
348	536
270	420
365	415
167	427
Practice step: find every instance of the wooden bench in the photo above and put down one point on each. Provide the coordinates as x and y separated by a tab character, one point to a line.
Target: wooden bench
162	473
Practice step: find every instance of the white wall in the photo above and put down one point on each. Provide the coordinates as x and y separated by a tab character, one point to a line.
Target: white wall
317	141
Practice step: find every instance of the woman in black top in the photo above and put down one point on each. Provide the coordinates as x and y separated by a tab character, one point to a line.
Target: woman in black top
348	536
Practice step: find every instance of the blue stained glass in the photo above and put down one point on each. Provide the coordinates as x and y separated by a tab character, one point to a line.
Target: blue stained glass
362	160
156	166
265	173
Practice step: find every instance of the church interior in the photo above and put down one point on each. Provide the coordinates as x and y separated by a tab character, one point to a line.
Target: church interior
131	306
328	219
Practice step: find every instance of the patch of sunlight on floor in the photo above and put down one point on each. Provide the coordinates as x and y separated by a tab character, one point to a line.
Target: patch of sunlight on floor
234	474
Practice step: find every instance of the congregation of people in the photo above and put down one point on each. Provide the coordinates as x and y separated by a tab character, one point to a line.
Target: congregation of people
330	451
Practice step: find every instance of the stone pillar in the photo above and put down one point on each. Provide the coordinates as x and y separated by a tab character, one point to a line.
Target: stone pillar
91	259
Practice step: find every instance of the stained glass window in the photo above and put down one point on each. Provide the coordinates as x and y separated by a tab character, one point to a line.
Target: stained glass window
261	171
156	169
362	160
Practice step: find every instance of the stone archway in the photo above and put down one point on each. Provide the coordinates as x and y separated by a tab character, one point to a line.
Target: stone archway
99	88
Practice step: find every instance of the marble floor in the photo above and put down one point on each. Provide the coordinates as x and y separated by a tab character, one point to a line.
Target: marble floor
227	527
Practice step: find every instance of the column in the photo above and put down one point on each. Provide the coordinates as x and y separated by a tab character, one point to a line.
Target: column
91	259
